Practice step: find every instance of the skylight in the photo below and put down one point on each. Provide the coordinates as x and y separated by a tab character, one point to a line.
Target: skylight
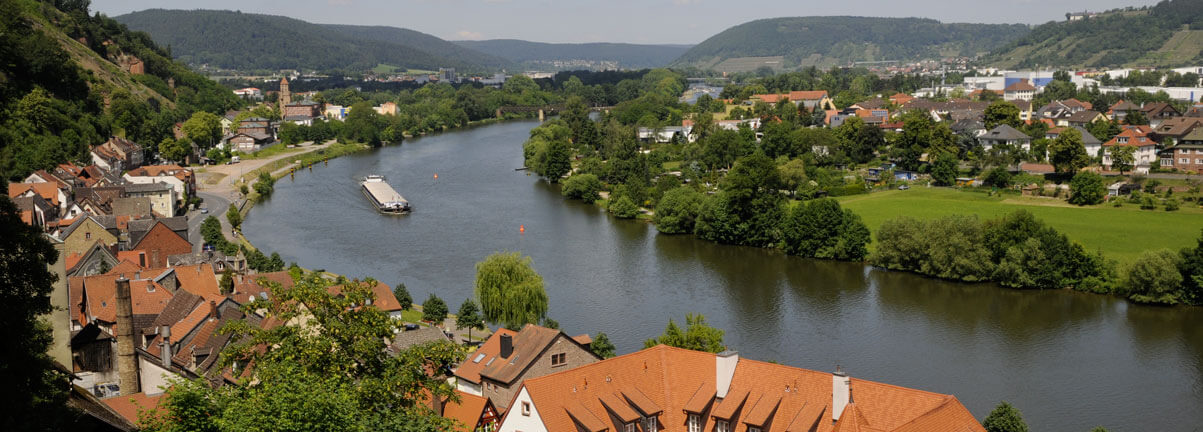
478	358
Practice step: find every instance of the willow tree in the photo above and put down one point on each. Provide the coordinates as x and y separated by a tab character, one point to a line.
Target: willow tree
509	290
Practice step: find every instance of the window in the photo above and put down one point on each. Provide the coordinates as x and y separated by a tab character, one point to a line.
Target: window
559	359
1184	160
753	429
649	424
722	426
629	427
1199	161
526	409
87	236
695	423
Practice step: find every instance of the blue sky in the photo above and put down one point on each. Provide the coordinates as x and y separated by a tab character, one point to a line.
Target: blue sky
633	21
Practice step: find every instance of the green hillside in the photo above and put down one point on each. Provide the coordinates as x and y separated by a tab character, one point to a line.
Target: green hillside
628	56
65	86
789	43
244	41
1169	34
422	41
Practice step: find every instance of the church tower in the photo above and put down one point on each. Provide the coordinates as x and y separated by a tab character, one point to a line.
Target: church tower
285	95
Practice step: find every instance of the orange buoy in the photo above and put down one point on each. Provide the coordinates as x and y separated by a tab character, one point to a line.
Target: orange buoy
521	228
436	176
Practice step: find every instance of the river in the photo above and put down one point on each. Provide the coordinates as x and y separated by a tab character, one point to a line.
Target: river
1069	361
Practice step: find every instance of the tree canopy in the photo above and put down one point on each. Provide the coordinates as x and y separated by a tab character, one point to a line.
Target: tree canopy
509	290
697	335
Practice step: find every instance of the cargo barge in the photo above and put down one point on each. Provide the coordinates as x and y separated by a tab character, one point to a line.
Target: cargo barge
383	197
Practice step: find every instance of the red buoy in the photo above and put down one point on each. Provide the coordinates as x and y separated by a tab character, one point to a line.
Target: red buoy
521	228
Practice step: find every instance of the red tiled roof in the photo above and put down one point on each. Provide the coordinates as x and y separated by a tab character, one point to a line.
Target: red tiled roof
48	191
1022	85
799	399
128	406
470	369
467	411
200	280
149	298
807	95
1134	136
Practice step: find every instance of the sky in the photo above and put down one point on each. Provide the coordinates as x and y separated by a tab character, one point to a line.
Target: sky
630	21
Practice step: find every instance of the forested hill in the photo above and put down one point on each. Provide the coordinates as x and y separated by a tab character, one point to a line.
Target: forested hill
245	41
628	56
65	85
422	41
788	43
1169	34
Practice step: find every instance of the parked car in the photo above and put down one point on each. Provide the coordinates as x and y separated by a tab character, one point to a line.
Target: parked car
903	187
204	210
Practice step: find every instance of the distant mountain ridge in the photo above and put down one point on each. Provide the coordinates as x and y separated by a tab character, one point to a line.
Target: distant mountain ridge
789	43
246	41
628	56
1169	34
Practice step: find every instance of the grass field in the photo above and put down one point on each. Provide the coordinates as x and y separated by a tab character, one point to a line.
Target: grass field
1121	233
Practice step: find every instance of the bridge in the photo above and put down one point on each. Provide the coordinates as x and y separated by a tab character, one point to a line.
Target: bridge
543	111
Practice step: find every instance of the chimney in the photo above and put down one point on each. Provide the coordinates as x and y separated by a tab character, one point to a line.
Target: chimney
724	370
213	313
841	393
165	346
507	346
127	367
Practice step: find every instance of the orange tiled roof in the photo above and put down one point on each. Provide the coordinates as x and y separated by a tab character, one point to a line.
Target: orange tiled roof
807	95
48	191
149	298
768	98
467	411
128	406
385	299
470	369
796	399
200	280
1133	136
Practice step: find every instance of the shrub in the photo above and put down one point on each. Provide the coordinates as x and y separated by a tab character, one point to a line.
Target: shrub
623	208
585	187
1154	278
1148	203
677	212
1087	188
998	177
821	229
1171	204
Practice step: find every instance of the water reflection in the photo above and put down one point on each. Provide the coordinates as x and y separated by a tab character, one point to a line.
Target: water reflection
1070	361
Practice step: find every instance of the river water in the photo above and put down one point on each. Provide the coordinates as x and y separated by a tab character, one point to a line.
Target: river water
1069	361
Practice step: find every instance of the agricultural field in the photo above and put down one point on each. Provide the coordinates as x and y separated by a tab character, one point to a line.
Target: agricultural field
1120	233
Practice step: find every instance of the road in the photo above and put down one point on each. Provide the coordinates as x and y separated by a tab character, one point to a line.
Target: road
217	205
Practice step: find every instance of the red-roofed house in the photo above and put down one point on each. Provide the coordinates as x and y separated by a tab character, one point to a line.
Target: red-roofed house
665	388
159	243
1021	90
1138	137
499	366
472	413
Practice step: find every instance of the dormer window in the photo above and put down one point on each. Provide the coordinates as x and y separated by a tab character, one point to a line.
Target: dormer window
695	423
650	425
629	427
722	426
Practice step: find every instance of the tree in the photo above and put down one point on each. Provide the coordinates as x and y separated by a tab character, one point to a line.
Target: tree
623	208
677	211
821	229
175	150
944	170
234	217
203	128
1154	278
793	175
226	284
998	177
469	317
1002	112
509	290
434	309
559	160
1190	266
602	346
697	336
41	390
403	297
364	124
1005	418
1087	188
1136	118
1067	153
585	187
1122	158
336	373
